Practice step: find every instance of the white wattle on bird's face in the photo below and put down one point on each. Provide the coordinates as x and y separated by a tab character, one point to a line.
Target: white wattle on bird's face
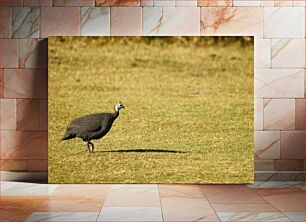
119	106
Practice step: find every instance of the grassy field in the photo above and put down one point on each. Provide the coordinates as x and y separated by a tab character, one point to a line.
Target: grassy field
188	116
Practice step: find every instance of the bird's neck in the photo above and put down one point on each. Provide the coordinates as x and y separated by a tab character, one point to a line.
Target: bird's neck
116	114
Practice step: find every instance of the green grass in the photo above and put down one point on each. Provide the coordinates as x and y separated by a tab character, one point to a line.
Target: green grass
194	98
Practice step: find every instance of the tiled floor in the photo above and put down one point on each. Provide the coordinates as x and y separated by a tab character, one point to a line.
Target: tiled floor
268	201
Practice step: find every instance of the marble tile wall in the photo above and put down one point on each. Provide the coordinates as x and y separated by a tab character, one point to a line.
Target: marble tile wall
278	27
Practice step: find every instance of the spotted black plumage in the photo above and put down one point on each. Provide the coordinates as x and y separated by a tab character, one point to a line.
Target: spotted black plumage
92	127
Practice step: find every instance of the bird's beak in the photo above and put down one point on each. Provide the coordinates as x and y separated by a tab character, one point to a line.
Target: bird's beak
122	106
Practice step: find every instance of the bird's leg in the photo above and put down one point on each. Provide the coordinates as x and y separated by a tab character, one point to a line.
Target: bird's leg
88	146
92	147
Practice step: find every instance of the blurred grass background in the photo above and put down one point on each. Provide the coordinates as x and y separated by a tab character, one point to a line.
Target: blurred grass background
190	95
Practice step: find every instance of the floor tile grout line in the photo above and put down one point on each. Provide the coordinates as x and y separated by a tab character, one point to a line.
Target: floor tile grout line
104	202
259	195
278	210
127	206
209	202
160	202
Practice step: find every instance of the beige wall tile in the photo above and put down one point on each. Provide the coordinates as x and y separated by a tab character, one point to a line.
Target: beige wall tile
215	3
24	145
299	3
232	21
279	83
163	3
33	53
264	165
5	22
267	145
25	83
43	115
51	17
118	2
305	82
37	165
25	22
5	3
186	3
267	3
292	145
8	114
8	53
146	2
247	3
258	114
279	114
73	2
284	22
283	50
13	165
300	114
289	165
284	3
126	21
95	21
262	57
1	83
171	21
37	2
28	114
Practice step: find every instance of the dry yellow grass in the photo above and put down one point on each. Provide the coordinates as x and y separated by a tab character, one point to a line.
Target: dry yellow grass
193	98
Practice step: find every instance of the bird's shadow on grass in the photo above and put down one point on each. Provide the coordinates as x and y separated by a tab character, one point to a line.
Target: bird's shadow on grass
140	151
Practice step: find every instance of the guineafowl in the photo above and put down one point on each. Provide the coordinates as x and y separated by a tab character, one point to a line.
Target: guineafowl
92	127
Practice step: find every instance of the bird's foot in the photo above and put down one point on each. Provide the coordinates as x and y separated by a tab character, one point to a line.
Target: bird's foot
90	147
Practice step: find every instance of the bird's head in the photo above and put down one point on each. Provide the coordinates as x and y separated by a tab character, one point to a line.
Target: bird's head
119	106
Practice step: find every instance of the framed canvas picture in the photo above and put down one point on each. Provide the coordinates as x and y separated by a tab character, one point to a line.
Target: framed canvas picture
151	109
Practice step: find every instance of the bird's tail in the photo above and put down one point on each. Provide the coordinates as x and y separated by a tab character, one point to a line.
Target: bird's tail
68	135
